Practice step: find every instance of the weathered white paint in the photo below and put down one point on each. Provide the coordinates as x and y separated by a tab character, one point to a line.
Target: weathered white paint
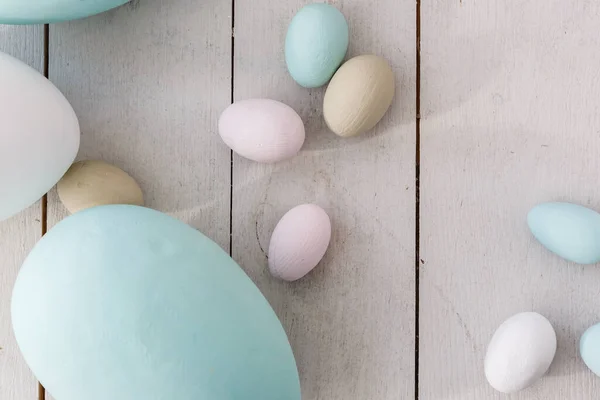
510	118
351	320
17	236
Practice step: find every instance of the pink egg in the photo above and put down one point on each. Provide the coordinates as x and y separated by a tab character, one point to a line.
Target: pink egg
299	242
262	130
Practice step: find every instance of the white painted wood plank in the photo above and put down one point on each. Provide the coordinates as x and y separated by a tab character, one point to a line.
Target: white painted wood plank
351	321
17	236
148	82
510	119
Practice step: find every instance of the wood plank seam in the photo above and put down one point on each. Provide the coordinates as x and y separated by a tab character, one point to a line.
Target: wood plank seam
417	185
41	389
231	152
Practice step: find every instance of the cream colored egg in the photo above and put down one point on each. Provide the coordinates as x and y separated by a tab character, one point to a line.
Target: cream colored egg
94	183
359	95
299	242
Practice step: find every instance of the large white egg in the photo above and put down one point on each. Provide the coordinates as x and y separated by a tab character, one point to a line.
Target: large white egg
299	242
262	130
39	135
520	352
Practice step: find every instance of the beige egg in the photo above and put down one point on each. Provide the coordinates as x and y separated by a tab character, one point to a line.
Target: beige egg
359	95
94	183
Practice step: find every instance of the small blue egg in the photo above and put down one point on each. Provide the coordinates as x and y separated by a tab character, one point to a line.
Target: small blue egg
126	303
569	230
24	12
316	44
589	348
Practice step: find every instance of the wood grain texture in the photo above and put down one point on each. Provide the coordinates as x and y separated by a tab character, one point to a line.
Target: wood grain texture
17	236
351	320
510	119
148	81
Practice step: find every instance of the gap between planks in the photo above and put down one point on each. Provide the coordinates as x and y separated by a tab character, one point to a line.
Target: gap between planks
231	152
417	186
41	390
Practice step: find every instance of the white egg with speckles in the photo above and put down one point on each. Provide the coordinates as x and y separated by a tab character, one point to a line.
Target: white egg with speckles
520	352
299	242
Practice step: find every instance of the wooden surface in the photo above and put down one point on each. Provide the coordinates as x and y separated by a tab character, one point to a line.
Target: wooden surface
350	322
509	118
17	236
509	106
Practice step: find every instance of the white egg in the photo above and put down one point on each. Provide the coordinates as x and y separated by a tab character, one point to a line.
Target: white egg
39	135
262	130
520	352
299	242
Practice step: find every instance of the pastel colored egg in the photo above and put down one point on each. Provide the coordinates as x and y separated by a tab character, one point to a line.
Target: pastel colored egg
316	44
359	95
568	230
589	348
262	130
520	352
299	242
123	302
39	138
94	183
49	11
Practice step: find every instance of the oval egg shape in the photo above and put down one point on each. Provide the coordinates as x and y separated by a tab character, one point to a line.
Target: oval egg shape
568	230
262	130
520	352
299	242
95	183
39	138
49	11
123	302
316	44
589	348
359	95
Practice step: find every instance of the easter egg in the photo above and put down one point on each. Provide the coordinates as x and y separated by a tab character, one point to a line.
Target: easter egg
589	348
48	11
94	183
39	138
520	352
359	95
262	130
315	44
299	242
123	302
568	230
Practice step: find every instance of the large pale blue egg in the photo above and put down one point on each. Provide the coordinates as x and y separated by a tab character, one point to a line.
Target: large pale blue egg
316	43
589	348
48	11
569	230
126	303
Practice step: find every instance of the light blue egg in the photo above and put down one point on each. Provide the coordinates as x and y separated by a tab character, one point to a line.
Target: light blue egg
589	347
126	303
316	43
49	11
569	230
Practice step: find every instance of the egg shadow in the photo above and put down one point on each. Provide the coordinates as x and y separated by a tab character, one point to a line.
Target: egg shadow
317	315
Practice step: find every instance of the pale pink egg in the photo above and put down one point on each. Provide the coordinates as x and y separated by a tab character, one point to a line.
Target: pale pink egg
299	242
262	130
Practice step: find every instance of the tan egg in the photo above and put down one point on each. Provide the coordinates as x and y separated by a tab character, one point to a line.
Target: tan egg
359	95
94	183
